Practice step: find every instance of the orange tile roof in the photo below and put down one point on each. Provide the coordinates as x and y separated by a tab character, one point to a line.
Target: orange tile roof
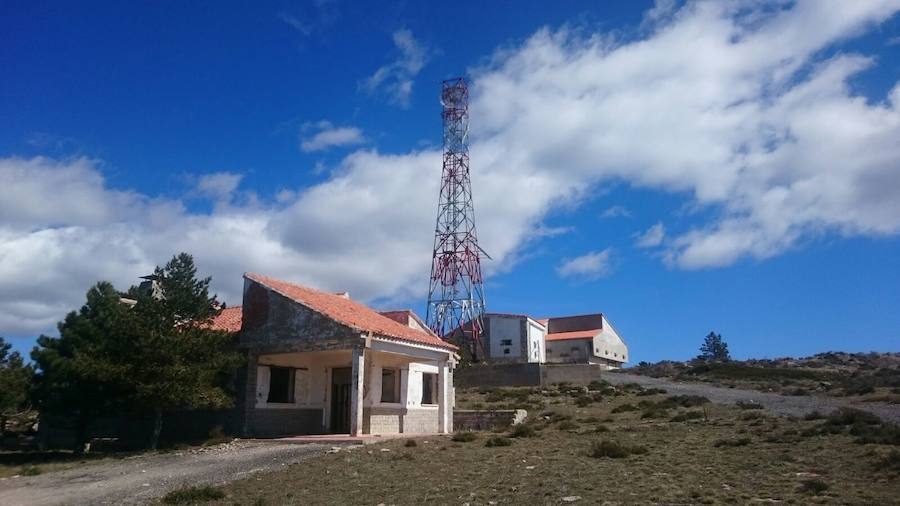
228	320
577	334
348	312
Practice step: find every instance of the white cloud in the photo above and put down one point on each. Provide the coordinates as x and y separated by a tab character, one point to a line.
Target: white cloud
397	77
330	136
593	265
616	212
219	186
652	237
731	107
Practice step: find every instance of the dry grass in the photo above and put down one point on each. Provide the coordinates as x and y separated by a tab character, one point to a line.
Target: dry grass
763	459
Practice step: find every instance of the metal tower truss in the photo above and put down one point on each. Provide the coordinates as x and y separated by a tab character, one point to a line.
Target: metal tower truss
456	291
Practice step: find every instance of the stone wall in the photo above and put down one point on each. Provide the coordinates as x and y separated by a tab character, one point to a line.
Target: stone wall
469	419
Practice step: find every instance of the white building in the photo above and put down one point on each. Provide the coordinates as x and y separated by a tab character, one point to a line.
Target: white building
585	339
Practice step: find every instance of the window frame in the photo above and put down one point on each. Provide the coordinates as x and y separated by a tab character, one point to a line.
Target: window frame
430	379
291	380
396	386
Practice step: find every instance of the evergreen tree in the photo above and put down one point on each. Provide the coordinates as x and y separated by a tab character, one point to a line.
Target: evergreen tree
15	381
714	349
85	371
156	356
183	363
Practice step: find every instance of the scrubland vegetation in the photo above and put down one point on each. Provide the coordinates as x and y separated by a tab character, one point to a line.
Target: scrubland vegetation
610	445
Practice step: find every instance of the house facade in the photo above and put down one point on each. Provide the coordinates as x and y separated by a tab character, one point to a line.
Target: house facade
320	363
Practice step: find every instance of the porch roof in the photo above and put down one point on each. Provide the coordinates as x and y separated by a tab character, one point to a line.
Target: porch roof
348	312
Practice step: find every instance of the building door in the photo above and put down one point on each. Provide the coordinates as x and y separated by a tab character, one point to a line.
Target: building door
340	400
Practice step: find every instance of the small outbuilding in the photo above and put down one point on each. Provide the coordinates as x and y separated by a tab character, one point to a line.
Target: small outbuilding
322	363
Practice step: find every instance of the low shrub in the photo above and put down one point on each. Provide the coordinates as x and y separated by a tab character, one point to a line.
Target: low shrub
689	415
583	401
498	441
652	391
890	461
654	412
410	443
598	385
753	415
748	405
624	408
744	441
814	487
567	425
852	416
601	428
614	450
464	437
30	471
813	415
523	430
686	401
193	495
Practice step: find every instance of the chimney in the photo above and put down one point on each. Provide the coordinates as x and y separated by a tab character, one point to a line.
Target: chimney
345	295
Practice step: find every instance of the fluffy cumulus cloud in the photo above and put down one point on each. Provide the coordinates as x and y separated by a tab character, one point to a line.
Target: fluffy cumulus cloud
324	136
219	186
593	265
731	104
651	237
396	78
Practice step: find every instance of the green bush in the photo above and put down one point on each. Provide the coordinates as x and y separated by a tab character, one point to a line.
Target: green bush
498	441
814	487
614	450
193	495
583	401
410	443
748	405
689	415
744	441
686	401
624	408
464	437
30	471
852	416
523	430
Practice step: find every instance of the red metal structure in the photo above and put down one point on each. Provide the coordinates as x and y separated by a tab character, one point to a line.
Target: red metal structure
456	292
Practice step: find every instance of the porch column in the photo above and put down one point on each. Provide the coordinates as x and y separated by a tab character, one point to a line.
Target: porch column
357	376
445	400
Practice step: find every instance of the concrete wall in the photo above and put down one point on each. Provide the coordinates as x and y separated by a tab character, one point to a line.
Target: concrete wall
284	422
526	374
505	328
469	419
570	351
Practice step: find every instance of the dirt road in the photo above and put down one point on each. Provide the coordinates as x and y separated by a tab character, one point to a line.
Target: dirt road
140	479
780	404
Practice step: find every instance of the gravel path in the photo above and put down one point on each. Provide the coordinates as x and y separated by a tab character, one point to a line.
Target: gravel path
138	480
780	404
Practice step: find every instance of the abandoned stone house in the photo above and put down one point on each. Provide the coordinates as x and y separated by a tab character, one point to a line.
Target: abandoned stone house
581	339
321	363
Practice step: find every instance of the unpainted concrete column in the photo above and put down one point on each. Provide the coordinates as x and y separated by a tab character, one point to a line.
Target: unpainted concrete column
357	378
445	408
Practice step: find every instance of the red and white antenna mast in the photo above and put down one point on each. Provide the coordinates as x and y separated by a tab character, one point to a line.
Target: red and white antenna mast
456	292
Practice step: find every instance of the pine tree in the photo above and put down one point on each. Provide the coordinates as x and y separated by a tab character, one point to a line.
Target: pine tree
714	349
85	371
183	362
15	380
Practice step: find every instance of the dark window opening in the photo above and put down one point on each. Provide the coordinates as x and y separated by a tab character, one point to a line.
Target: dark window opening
281	385
429	388
506	351
389	385
506	342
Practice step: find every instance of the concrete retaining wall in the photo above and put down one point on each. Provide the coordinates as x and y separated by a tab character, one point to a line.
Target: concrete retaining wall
283	422
469	419
502	375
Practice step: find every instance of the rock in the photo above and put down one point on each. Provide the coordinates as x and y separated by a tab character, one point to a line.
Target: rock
385	449
571	498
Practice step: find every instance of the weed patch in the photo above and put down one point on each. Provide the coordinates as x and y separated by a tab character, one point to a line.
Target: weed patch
464	437
193	495
614	450
498	441
744	441
813	487
624	408
689	415
748	405
523	430
410	443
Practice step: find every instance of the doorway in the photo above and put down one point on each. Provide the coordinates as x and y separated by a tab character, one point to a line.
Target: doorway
340	400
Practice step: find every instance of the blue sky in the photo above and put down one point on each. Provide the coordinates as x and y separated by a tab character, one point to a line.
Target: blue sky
682	167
